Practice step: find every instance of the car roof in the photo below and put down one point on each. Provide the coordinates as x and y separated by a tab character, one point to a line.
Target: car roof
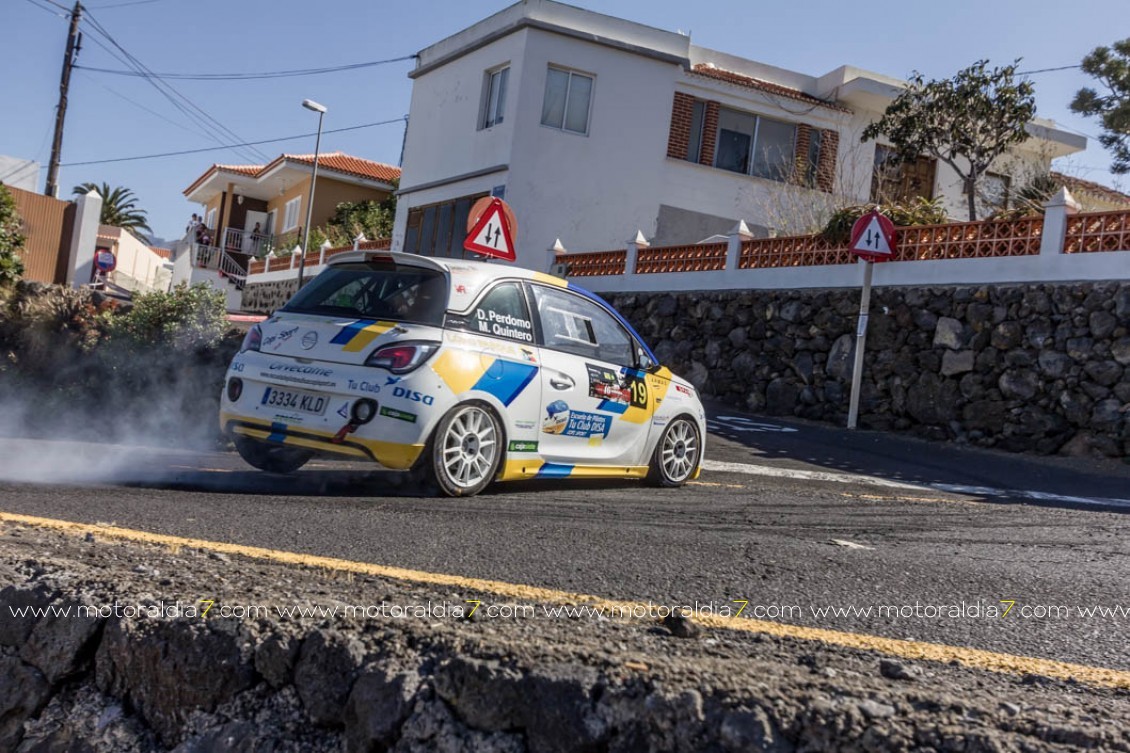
468	278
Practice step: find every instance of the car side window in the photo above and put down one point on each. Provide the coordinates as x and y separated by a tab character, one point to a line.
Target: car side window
577	325
502	312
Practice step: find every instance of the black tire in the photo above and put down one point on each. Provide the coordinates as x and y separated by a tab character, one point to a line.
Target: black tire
677	455
271	458
466	450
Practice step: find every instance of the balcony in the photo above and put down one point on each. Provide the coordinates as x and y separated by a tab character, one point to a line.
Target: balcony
240	241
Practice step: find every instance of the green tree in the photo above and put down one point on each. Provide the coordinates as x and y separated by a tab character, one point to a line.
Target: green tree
11	239
966	121
373	218
1110	66
119	207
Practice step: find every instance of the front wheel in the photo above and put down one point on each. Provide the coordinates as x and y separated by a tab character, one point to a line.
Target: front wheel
269	458
677	454
466	450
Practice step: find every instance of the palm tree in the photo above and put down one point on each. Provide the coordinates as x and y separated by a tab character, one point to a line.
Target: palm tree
119	207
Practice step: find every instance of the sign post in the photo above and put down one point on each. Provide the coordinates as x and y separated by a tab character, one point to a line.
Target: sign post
872	239
491	228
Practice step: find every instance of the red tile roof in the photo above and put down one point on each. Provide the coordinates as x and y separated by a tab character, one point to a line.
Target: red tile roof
1106	193
164	253
338	162
709	71
344	163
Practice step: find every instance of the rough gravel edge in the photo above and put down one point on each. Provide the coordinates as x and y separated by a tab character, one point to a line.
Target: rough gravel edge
212	684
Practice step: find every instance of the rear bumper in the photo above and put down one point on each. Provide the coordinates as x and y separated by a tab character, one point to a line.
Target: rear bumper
388	454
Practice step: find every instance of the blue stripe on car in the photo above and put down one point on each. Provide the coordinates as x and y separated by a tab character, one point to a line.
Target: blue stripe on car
510	383
278	432
554	470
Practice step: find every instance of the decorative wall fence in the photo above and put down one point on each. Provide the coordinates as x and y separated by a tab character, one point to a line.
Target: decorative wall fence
273	263
1044	248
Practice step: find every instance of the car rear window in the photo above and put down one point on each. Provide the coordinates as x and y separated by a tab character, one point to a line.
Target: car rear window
375	290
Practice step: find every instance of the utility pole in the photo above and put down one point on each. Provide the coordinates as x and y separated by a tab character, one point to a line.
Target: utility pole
74	44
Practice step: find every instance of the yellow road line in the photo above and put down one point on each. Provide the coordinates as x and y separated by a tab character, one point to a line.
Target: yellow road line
970	657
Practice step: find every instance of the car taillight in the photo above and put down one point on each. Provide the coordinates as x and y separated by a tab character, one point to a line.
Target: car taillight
252	340
402	357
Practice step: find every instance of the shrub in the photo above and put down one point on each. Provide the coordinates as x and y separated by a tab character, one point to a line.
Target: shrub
11	239
918	211
186	318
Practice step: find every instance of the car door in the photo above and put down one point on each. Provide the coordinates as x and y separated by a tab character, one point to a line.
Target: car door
596	403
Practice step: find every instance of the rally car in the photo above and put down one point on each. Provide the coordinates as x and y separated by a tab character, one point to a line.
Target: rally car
466	371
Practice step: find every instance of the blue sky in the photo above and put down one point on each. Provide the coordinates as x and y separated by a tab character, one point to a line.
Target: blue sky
111	116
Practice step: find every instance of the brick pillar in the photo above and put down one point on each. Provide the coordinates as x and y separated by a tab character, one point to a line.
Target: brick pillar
682	113
826	168
709	134
800	160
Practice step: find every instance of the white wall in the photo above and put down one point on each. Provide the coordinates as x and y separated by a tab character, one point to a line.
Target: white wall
138	267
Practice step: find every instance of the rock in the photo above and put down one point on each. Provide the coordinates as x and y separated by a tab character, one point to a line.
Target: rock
1019	384
925	319
781	397
897	670
1102	324
746	730
1106	373
667	306
738	336
957	362
697	375
233	737
1080	348
378	705
16	627
1121	351
167	670
979	315
1076	408
1107	414
840	357
985	415
484	694
932	399
681	626
324	674
1054	364
275	657
875	710
23	692
1007	335
59	646
1122	304
1010	708
559	711
949	334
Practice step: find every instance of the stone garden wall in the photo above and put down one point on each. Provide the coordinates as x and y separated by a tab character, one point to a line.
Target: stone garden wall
1043	368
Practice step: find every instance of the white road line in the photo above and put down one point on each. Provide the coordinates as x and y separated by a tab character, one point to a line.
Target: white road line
856	478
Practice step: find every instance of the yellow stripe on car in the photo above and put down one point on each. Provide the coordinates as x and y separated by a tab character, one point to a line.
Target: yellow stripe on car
367	335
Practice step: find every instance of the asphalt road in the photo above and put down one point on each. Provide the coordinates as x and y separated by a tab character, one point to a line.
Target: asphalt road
787	515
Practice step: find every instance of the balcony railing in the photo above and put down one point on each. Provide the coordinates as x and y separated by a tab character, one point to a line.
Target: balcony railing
242	241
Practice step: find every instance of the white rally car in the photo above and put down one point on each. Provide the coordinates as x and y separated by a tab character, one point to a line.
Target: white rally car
468	371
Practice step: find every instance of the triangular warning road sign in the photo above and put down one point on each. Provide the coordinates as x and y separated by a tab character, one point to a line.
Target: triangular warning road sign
873	240
491	234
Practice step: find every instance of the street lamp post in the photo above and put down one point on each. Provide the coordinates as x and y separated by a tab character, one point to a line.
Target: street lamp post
310	104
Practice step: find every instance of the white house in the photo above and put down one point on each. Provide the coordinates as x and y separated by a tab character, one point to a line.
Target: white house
592	127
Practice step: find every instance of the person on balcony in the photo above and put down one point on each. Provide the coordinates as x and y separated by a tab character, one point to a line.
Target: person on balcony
256	237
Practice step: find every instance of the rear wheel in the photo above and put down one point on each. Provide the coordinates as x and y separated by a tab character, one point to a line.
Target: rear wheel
271	458
677	454
466	450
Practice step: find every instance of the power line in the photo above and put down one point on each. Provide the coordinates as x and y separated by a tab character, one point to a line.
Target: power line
1049	70
253	76
45	9
60	6
216	130
220	148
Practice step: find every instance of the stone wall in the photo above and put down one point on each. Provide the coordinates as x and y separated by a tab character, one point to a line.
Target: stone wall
1043	368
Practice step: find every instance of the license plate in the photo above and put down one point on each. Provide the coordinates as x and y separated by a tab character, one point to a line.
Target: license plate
299	400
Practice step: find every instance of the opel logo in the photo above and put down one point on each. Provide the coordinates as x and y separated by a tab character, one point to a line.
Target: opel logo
309	340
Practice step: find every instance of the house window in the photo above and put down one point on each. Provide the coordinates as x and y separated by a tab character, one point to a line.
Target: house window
812	162
754	145
694	144
290	215
439	229
993	190
896	180
567	97
494	97
210	219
